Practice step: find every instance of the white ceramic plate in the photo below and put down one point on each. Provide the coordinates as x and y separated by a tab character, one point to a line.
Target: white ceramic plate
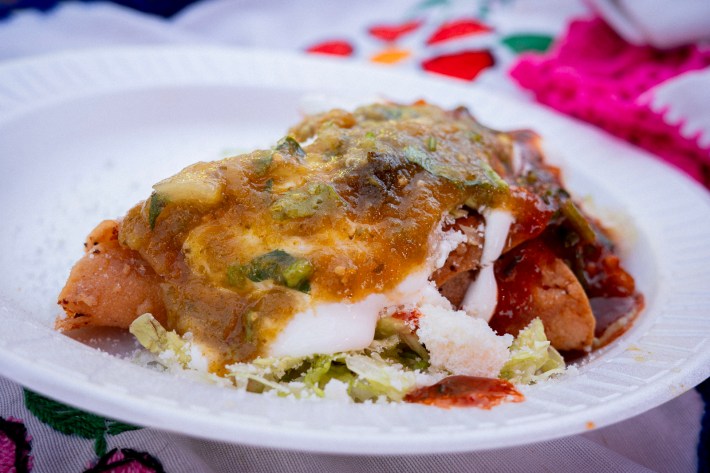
84	135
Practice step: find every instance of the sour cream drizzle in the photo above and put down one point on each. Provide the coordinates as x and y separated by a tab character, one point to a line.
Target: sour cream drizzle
482	295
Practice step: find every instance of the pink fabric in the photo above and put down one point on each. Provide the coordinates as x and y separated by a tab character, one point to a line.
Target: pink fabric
119	464
596	76
7	454
14	446
126	460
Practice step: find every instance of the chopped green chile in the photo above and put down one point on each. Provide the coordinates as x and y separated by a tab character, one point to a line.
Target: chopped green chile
290	147
277	266
262	162
305	202
422	158
236	276
249	320
388	326
156	206
297	272
578	221
474	175
268	185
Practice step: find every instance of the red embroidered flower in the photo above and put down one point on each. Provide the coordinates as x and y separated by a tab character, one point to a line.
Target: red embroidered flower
333	48
15	447
464	65
457	29
126	460
391	33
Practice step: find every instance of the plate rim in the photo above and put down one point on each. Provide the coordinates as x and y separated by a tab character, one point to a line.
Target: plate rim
20	369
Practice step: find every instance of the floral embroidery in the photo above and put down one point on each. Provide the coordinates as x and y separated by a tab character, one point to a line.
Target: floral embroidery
15	447
519	43
391	56
431	3
126	460
391	33
334	48
71	421
464	65
457	29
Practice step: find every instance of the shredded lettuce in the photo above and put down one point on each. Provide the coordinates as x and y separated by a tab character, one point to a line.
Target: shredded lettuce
377	377
385	370
265	374
388	369
368	377
532	359
159	341
278	367
302	377
388	326
323	369
171	352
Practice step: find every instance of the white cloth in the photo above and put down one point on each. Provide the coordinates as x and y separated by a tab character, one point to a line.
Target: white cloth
663	439
685	101
660	23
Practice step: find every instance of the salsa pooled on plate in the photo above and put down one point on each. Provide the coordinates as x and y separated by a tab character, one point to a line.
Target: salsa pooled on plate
391	253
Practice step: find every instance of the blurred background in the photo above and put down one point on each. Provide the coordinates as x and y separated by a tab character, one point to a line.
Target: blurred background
636	68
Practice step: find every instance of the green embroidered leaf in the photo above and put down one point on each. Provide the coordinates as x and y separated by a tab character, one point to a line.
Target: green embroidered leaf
100	446
528	42
114	427
431	3
71	421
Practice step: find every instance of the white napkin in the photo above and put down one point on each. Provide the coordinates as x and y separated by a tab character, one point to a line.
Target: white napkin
659	23
685	101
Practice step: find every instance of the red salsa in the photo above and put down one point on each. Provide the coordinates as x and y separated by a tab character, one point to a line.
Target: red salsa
466	391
